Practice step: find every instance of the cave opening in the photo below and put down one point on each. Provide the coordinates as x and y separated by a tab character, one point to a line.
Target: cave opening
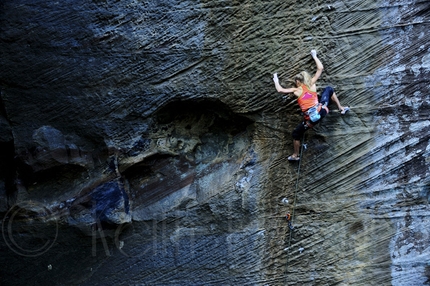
201	134
189	112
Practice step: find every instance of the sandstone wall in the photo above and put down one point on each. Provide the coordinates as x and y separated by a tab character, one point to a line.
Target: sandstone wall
144	143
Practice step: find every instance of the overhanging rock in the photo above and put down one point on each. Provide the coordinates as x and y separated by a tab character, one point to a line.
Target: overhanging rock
160	118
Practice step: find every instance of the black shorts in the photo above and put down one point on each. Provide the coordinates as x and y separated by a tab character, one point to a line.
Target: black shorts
301	129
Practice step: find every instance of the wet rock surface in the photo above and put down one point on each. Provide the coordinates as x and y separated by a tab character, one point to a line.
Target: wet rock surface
144	143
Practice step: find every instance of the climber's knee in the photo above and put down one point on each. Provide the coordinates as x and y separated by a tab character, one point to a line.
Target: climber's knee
326	95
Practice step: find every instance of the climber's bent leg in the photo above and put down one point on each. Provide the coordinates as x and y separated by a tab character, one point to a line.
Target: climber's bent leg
326	95
297	136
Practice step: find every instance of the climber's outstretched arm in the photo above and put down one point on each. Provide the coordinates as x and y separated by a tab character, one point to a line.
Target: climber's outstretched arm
279	88
320	67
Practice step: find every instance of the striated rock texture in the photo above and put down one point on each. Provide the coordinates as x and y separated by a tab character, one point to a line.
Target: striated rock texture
143	143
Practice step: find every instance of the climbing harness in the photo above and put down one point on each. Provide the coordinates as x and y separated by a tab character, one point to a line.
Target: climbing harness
313	114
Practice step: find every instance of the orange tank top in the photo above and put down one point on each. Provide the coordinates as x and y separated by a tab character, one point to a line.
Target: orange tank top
307	99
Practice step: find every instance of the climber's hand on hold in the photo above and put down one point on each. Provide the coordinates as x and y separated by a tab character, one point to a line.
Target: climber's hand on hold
314	53
278	86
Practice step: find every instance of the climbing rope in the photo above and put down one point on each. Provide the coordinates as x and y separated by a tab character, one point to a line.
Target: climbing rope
289	216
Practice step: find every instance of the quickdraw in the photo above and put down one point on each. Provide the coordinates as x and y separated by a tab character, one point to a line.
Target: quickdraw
288	217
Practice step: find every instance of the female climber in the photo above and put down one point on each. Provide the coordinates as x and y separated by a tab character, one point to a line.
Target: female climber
307	98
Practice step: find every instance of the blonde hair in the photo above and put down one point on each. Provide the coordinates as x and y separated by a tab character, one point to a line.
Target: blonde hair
304	77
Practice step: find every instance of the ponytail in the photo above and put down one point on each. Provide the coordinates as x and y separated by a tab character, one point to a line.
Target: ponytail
304	77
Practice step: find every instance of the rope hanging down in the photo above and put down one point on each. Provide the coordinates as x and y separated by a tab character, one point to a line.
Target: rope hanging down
290	217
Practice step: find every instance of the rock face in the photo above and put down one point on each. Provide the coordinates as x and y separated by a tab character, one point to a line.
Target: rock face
144	143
